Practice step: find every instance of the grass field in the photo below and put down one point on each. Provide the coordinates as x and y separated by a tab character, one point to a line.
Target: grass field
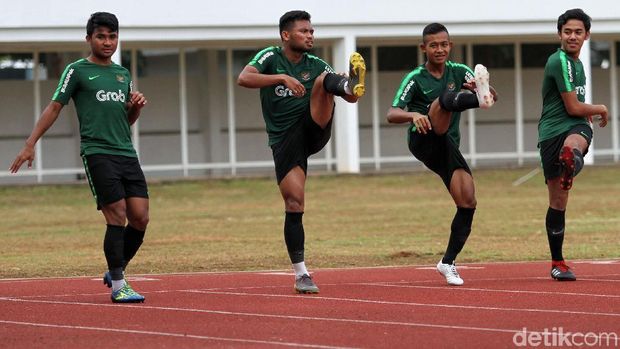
365	220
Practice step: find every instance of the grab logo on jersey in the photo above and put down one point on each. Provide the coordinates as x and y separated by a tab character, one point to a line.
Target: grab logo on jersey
103	96
282	91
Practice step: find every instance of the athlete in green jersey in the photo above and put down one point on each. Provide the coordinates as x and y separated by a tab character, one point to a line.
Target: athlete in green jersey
106	107
430	99
564	133
100	93
297	96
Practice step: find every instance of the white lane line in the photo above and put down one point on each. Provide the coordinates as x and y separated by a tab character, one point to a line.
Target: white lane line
302	318
411	266
294	317
452	289
602	280
131	278
438	280
461	267
413	304
168	334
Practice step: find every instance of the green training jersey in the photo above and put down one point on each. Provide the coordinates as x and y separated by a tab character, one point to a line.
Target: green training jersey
281	109
562	74
99	93
420	88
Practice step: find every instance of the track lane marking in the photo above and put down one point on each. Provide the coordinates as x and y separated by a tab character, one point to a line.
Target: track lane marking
430	305
306	318
169	334
460	288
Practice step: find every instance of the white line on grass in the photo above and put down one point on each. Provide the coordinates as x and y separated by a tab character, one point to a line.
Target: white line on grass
526	177
168	334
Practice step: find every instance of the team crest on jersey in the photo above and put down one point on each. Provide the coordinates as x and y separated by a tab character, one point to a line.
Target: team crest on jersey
451	86
305	76
120	78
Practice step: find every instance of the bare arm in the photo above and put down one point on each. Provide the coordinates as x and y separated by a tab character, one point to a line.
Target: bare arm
583	110
136	103
399	116
48	117
250	77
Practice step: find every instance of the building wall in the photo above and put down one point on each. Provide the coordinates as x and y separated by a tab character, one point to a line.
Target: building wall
206	34
159	125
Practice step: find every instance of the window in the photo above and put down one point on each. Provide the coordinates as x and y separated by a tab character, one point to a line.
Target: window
495	56
16	66
397	58
599	54
140	59
391	58
536	55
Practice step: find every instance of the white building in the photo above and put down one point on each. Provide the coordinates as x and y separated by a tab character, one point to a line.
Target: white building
185	56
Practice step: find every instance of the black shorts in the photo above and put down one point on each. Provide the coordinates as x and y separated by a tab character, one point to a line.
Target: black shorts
114	177
550	150
301	140
439	153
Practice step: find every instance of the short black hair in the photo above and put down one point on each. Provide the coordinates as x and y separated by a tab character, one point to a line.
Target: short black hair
434	28
101	19
577	14
287	19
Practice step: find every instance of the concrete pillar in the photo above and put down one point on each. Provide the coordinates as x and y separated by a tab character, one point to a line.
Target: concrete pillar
584	57
346	118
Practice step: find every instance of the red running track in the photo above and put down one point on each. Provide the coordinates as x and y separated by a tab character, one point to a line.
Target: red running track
500	305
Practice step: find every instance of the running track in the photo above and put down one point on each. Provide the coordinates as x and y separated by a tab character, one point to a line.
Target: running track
388	307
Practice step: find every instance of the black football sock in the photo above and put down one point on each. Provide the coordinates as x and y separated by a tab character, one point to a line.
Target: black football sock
294	236
113	249
458	101
554	223
133	241
335	84
459	232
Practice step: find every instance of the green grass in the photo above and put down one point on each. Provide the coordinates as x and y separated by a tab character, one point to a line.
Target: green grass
367	220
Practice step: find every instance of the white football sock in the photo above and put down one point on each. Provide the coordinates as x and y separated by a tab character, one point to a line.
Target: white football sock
347	89
117	284
300	269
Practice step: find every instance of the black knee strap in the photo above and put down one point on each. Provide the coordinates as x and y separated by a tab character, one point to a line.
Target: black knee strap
334	84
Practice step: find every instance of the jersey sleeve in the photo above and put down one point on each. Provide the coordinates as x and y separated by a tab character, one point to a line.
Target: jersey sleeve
468	73
66	85
263	60
404	94
562	72
325	66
